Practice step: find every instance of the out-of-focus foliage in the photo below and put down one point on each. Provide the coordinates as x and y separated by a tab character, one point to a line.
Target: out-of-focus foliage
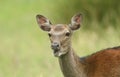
106	13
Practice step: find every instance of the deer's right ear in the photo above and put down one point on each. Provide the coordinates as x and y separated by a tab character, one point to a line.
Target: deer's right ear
43	22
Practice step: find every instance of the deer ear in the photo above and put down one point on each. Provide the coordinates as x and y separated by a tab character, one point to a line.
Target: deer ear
76	21
43	22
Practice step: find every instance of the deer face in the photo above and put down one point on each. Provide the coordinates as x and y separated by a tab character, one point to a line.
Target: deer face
60	39
60	34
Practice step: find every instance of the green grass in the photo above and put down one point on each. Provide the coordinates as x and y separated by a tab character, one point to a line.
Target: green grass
25	49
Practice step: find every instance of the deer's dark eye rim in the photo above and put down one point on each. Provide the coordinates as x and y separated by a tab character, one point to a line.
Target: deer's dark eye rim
49	34
67	34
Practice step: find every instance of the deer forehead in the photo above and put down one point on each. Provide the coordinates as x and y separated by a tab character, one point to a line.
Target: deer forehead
59	29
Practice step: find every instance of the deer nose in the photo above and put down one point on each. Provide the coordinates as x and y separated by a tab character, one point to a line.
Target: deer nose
55	46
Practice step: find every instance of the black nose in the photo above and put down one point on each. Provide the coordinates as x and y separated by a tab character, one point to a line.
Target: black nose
55	46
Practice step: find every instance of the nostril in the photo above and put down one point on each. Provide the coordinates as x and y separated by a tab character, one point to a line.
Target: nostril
55	46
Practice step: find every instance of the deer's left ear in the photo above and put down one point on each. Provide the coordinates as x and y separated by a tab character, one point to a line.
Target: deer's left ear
76	21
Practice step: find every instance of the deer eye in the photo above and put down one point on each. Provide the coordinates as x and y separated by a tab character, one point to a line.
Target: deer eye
67	34
49	34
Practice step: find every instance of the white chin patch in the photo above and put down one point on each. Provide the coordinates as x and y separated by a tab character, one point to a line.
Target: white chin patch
58	54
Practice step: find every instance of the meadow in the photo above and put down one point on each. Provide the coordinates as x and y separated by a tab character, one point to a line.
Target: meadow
25	49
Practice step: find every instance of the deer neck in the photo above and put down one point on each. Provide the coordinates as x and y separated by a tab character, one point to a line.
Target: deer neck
71	65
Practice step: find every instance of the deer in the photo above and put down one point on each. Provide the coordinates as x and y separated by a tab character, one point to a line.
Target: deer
104	63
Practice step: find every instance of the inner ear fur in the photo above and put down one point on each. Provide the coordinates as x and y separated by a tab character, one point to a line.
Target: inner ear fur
76	21
43	22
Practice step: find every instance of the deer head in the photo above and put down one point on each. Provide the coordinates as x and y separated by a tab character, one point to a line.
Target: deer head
59	34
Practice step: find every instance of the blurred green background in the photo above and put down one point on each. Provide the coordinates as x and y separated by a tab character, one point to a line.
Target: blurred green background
25	49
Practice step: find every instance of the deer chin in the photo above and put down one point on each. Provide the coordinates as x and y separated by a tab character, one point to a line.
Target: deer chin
59	53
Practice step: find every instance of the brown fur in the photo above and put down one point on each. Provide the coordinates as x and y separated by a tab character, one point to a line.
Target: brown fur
59	27
105	63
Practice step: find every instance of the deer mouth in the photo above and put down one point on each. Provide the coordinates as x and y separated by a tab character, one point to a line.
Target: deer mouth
56	52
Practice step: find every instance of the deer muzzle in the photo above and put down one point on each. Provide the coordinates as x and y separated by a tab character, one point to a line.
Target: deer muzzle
56	48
